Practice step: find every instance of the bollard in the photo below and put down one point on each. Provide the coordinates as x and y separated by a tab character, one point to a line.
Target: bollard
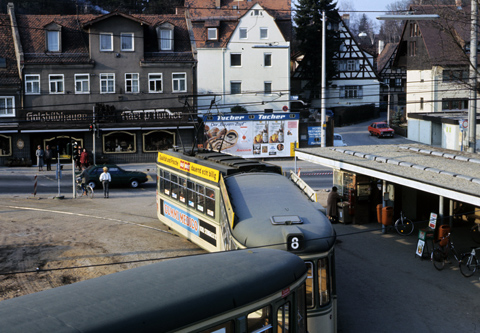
35	186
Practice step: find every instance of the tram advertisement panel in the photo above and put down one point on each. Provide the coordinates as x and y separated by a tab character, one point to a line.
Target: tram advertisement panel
190	222
252	135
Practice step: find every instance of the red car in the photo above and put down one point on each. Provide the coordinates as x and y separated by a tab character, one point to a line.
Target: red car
380	129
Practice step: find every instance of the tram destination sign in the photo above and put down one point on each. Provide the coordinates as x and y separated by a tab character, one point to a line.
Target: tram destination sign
190	167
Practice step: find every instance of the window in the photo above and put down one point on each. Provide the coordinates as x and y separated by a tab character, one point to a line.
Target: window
267	59
414	30
351	92
107	83
119	142
56	84
200	198
243	33
283	318
455	75
263	33
212	33
126	41
449	104
158	140
179	82
309	285
7	106
235	59
132	83
106	42
412	49
235	87
260	320
351	65
53	41
32	84
267	88
82	84
323	281
5	145
398	82
155	84
166	40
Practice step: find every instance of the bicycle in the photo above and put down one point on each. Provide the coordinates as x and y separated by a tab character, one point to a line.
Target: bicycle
469	262
440	254
84	189
404	226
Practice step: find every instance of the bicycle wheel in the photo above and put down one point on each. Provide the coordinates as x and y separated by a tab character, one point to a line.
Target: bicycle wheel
438	258
90	192
404	227
78	190
468	264
476	234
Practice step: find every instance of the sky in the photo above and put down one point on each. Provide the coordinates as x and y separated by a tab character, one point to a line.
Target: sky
372	8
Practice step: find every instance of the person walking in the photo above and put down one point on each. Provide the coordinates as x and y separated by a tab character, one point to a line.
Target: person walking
105	179
39	154
48	154
332	201
83	159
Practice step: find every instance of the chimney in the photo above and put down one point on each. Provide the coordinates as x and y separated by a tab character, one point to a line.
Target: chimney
381	46
218	3
346	19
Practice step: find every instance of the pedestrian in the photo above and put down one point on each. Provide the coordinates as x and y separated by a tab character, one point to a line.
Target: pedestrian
332	201
39	154
105	179
77	159
48	154
83	159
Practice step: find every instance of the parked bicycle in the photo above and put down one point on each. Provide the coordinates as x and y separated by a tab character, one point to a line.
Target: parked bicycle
83	189
404	226
441	253
469	262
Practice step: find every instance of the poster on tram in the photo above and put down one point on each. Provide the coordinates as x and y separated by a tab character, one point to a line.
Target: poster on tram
252	135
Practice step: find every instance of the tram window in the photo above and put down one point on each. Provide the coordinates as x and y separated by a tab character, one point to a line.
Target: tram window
191	193
210	201
201	198
182	185
283	318
227	327
309	285
174	185
301	315
323	281
260	320
166	188
161	181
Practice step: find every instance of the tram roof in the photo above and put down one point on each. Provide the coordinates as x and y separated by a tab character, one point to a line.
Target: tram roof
451	174
256	198
226	164
168	295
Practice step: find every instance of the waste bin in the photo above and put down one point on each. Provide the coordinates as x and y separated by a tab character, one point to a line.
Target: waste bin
379	213
387	215
343	214
443	231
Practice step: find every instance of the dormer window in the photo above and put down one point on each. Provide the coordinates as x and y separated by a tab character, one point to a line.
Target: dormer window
53	37
212	33
165	36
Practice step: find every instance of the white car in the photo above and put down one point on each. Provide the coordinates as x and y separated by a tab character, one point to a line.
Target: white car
338	140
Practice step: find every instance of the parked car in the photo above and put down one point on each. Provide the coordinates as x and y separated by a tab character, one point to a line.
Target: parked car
120	177
338	140
381	129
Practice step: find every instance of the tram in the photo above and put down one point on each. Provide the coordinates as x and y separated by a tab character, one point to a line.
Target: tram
223	202
257	290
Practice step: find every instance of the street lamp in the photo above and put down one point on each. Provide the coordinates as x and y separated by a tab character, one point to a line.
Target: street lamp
388	102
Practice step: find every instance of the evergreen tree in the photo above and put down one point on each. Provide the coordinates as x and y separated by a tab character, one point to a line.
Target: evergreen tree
308	31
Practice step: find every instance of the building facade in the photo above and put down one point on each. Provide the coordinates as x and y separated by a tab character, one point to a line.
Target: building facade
119	85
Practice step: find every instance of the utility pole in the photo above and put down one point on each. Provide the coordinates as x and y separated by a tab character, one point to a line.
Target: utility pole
324	83
472	105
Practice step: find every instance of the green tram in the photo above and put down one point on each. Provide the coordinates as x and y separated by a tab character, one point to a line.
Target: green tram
208	293
223	202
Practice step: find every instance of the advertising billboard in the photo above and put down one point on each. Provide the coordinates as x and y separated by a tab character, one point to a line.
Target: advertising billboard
252	135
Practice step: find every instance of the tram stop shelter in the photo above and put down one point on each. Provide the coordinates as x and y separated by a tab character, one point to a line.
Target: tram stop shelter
414	178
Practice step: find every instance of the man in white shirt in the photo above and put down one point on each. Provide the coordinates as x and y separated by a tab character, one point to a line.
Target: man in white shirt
105	179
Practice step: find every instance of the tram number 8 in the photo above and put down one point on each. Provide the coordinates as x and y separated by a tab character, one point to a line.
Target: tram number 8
295	243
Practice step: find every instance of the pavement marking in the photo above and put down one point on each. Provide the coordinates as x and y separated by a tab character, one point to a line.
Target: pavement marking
86	215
